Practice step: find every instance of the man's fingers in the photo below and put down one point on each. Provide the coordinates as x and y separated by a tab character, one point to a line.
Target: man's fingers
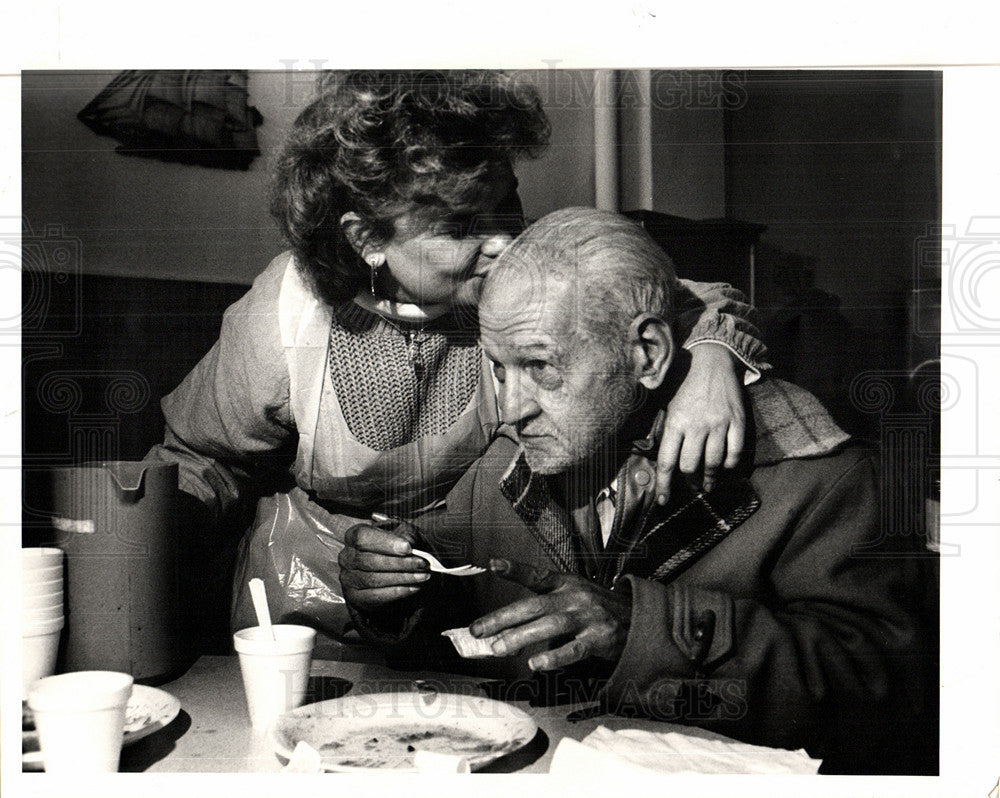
365	580
384	595
366	561
379	541
539	580
539	631
511	616
397	526
377	566
562	657
666	461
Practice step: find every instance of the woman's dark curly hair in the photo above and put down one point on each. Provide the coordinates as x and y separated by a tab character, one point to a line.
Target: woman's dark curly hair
378	143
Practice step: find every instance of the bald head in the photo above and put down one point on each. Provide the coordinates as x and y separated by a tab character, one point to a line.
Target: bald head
597	269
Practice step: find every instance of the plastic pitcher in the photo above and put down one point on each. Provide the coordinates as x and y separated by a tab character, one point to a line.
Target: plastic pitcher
116	522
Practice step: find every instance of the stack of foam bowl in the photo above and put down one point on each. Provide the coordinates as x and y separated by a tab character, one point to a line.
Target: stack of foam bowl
42	607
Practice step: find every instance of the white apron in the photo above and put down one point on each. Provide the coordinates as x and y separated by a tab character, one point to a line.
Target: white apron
297	535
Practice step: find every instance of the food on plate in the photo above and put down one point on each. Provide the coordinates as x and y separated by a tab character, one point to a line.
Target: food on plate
391	730
393	746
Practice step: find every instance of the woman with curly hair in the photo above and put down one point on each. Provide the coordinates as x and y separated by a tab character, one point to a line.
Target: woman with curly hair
349	380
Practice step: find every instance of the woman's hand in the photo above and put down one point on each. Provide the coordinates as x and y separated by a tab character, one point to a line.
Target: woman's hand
705	421
377	566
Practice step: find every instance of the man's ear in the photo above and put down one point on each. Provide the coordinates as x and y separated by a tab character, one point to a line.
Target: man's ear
652	348
355	231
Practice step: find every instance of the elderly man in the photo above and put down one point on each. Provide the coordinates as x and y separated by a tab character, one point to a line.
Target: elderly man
760	610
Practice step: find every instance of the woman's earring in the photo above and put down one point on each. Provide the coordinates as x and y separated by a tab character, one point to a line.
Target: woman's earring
376	260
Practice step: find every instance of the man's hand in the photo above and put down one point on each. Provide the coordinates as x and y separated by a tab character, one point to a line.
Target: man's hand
568	606
377	567
705	421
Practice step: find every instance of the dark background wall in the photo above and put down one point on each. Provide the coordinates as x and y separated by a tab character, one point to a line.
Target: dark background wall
844	169
140	217
129	261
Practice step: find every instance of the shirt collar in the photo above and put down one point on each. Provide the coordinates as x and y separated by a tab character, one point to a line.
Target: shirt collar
610	492
400	311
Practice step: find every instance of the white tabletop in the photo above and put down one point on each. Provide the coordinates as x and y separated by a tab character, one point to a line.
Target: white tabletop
212	734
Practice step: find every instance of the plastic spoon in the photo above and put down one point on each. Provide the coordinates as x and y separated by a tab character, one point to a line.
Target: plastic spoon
388	522
438	567
259	597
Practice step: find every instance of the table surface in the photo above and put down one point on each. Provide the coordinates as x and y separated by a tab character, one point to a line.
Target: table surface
212	733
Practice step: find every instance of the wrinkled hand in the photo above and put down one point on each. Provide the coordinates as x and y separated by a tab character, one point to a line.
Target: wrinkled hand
705	422
377	567
597	619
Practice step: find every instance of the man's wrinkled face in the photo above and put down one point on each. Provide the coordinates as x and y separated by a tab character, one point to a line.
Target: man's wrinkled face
565	394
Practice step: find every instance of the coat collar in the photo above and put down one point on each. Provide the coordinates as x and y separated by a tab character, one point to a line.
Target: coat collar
670	538
531	497
649	540
658	542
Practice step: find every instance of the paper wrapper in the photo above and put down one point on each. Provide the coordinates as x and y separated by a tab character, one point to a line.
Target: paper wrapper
305	759
635	751
468	646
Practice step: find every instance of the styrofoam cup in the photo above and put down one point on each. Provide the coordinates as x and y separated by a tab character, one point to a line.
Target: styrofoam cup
44	573
41	627
80	719
38	656
42	614
43	602
275	672
32	588
34	558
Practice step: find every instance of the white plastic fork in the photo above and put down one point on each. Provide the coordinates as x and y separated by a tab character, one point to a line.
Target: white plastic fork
383	521
438	567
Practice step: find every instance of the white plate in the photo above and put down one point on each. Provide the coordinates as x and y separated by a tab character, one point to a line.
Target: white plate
382	730
148	710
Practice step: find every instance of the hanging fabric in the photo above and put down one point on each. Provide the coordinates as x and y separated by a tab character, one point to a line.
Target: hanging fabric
196	116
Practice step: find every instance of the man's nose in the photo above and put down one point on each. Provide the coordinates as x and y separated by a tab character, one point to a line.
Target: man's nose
517	403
